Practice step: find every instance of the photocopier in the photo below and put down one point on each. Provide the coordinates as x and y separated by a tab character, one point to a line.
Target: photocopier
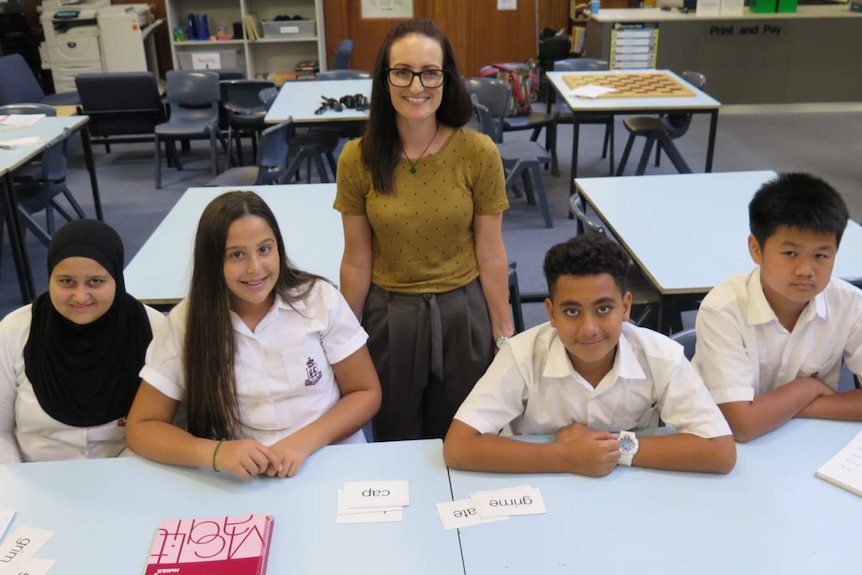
94	36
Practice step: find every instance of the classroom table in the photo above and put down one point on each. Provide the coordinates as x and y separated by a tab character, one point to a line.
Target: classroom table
769	515
700	103
299	100
689	232
105	512
160	272
46	129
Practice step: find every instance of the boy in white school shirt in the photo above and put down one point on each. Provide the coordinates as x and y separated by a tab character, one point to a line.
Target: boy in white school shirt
770	343
589	377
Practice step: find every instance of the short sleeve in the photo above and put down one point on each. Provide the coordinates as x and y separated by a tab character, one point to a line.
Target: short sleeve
498	397
721	357
163	366
489	186
343	335
688	406
352	179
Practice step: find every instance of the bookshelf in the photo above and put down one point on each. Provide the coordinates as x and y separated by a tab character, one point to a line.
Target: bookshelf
283	45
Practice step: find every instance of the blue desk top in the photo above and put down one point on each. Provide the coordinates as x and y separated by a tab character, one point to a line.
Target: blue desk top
105	512
46	129
770	515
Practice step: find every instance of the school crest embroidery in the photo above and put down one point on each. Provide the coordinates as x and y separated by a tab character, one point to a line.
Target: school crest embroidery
312	372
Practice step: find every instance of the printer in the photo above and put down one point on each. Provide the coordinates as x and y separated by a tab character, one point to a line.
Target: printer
95	36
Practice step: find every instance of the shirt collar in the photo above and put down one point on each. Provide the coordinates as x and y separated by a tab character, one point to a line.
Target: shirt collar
626	364
760	312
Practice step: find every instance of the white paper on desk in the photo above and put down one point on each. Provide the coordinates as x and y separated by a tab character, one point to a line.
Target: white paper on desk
20	142
845	468
20	546
6	516
521	500
364	494
459	514
342	510
591	91
375	517
30	566
20	120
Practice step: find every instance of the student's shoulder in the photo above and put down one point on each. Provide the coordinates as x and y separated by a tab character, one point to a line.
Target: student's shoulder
652	346
15	327
155	317
733	292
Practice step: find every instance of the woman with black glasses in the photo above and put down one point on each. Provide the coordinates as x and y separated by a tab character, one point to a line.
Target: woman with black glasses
424	265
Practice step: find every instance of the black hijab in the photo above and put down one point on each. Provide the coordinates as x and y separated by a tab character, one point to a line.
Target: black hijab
87	375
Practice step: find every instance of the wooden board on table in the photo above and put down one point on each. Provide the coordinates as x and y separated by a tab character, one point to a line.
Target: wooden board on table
656	85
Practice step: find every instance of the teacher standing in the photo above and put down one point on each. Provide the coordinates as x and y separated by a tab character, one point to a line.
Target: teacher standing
424	266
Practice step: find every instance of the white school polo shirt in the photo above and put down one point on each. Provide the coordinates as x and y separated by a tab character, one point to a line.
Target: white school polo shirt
27	433
283	369
532	385
742	348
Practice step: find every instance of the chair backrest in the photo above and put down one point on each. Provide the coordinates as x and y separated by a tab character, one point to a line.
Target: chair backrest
577	65
341	59
230	73
268	96
28	109
677	124
483	117
18	84
242	96
273	154
120	103
687	338
193	89
343	75
589	225
494	95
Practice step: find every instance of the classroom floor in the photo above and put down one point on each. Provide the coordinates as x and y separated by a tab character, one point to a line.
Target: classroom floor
822	139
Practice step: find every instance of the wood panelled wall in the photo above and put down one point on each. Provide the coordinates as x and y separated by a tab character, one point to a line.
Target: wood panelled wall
479	33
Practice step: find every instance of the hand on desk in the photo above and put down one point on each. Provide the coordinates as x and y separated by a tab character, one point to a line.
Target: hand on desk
291	453
246	458
593	453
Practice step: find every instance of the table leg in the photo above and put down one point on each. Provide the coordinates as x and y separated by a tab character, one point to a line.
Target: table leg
91	167
710	147
576	136
16	240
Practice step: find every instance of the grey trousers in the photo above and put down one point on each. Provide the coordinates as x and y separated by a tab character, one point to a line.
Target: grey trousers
429	351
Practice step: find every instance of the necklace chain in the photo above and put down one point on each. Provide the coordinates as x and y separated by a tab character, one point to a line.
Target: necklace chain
411	162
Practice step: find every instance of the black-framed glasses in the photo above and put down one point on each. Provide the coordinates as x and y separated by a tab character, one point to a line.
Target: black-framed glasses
403	77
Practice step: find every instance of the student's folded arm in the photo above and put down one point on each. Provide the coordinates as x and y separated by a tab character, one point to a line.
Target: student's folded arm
770	410
466	448
731	377
355	275
845	406
686	452
151	433
360	400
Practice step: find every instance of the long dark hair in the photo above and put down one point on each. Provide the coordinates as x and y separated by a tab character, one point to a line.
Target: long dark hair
208	365
381	144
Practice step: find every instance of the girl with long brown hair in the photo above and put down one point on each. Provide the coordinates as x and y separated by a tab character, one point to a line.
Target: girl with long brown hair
269	360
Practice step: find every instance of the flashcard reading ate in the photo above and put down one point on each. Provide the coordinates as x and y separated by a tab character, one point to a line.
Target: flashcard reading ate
458	514
20	546
366	494
6	516
521	500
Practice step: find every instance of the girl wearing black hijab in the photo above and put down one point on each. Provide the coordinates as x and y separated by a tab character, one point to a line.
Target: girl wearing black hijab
69	362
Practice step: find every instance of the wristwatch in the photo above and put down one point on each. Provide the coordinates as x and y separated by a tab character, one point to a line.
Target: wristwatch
628	447
500	341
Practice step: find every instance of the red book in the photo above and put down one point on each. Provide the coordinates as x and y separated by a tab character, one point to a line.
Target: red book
233	545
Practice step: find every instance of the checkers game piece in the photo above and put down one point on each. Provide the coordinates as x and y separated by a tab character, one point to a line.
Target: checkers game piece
658	85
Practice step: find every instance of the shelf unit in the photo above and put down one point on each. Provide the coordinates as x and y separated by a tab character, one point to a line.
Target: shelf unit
256	57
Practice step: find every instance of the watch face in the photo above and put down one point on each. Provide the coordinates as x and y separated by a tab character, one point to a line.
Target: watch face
627	444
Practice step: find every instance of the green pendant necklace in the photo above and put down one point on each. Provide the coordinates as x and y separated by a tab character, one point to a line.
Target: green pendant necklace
411	162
